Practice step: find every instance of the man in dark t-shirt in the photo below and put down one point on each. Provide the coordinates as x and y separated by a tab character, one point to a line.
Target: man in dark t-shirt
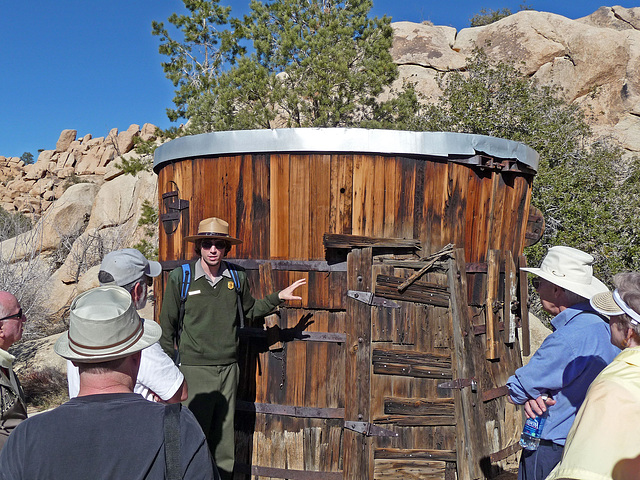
107	431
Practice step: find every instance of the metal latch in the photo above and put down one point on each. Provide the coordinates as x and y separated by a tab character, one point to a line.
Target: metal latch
370	299
368	429
459	384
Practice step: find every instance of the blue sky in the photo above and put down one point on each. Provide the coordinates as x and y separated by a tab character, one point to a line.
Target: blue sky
94	65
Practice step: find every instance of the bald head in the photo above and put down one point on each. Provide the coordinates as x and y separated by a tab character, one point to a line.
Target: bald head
8	302
13	319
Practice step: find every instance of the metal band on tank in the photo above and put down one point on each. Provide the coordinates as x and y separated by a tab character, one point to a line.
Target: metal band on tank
343	140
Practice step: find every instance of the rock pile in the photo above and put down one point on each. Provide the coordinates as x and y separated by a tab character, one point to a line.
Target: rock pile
31	189
595	60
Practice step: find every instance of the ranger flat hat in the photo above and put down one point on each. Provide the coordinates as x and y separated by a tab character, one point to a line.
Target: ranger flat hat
571	269
214	228
103	326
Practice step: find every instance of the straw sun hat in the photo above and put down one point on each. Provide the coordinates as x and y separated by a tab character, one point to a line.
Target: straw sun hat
214	228
612	304
103	326
571	269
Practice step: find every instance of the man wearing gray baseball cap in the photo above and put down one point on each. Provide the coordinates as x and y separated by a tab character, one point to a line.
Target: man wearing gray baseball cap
158	377
107	431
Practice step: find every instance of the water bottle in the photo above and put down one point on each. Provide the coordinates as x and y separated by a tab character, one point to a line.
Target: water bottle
530	438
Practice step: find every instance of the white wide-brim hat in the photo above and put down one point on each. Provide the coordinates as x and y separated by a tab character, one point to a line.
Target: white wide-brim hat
103	326
571	269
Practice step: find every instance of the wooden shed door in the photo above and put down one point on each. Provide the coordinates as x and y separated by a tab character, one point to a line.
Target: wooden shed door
413	403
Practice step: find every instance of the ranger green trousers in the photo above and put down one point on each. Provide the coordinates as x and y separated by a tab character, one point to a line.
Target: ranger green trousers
212	399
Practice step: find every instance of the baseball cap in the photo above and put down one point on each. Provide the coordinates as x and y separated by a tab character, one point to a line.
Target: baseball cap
128	265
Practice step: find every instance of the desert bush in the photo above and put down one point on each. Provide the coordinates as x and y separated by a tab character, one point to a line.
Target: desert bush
148	246
26	278
44	387
13	224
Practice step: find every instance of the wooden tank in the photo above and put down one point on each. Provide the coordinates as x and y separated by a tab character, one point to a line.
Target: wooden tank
394	364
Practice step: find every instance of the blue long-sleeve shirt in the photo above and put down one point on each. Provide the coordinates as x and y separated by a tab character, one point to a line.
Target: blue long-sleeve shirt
564	366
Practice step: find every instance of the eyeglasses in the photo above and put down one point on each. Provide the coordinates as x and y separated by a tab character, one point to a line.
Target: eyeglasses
15	315
535	282
219	244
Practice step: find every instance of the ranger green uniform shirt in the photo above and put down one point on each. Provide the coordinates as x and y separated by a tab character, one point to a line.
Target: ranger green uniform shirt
210	330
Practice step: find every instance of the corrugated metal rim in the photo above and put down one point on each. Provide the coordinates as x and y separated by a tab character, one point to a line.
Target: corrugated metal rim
343	140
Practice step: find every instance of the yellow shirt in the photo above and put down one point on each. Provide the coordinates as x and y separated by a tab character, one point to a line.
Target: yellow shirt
604	441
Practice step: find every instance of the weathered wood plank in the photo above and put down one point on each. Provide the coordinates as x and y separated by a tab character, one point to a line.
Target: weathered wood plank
406	203
419	406
457	203
341	212
495	227
491	322
320	191
471	438
421	292
410	357
279	206
430	208
363	195
417	421
392	189
334	240
408	469
358	452
411	371
289	410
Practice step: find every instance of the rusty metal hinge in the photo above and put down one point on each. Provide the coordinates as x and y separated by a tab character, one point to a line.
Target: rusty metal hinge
370	299
369	429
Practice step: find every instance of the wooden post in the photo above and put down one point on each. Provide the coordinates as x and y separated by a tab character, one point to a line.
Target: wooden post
523	285
491	320
471	441
510	296
358	452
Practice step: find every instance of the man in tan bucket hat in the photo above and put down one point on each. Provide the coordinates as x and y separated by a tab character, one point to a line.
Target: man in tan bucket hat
218	300
569	358
107	431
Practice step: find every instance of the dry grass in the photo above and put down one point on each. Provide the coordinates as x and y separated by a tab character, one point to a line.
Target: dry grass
44	388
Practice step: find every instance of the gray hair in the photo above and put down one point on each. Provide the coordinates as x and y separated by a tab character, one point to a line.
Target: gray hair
628	285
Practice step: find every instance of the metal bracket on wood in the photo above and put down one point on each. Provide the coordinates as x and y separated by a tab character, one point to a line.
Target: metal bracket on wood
172	207
368	429
370	299
459	384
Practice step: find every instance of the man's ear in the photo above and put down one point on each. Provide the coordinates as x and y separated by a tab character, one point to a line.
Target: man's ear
136	291
558	292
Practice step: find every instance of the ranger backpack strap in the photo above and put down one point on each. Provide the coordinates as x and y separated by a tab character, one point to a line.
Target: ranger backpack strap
233	271
184	292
